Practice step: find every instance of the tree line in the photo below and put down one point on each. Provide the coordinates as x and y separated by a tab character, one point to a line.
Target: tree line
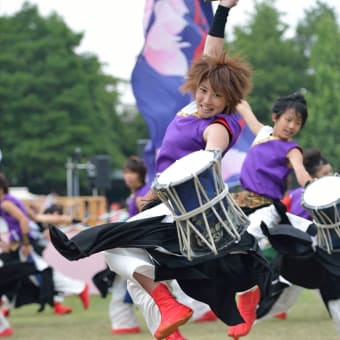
54	100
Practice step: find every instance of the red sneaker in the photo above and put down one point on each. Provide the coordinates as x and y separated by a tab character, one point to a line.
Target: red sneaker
176	335
85	297
207	316
5	312
6	332
282	316
247	305
60	309
126	330
173	313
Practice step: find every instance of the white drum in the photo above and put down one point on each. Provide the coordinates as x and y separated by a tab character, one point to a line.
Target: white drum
206	216
321	198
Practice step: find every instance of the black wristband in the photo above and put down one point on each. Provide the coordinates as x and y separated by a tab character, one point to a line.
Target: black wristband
220	19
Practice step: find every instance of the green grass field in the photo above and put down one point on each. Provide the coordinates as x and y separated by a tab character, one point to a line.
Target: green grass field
308	320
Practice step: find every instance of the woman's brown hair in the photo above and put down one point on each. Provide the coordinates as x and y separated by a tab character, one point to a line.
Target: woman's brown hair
137	165
229	76
4	184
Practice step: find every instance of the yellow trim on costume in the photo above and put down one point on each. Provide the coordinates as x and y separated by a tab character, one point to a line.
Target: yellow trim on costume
186	114
266	139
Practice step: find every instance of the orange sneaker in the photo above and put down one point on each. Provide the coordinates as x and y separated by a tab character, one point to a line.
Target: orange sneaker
85	297
60	309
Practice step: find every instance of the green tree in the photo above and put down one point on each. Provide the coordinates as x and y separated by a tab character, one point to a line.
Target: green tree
322	37
53	101
279	65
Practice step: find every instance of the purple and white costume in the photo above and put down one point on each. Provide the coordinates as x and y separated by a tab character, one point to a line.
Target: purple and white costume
61	282
233	270
265	172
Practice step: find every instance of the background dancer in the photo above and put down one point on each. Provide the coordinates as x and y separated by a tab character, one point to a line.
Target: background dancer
23	239
11	275
121	312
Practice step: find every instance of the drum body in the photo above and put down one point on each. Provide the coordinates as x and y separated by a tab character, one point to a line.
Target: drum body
321	198
207	218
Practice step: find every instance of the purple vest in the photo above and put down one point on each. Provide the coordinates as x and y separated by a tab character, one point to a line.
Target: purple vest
184	135
15	233
265	170
296	207
132	207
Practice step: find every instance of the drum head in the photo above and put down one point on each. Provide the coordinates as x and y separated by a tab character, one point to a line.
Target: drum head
186	167
322	192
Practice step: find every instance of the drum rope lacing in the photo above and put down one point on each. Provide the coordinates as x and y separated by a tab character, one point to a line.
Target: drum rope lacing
325	225
327	216
227	222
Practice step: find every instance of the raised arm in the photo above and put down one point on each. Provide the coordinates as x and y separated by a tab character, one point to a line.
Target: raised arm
295	158
214	42
244	109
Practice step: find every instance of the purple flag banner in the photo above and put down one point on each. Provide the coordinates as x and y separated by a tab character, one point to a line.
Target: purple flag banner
175	32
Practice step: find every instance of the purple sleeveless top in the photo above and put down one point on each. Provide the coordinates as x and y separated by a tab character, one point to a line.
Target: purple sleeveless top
296	207
265	170
15	233
131	201
184	135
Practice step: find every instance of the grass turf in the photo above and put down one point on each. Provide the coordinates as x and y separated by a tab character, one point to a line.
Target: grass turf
308	319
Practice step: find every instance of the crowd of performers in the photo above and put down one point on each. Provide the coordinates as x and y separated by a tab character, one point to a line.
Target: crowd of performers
145	250
274	257
26	277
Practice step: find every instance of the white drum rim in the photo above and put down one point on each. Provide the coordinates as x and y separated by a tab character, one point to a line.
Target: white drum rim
158	185
320	206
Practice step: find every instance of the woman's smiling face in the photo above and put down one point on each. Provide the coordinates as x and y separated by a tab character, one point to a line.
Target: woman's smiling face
209	103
